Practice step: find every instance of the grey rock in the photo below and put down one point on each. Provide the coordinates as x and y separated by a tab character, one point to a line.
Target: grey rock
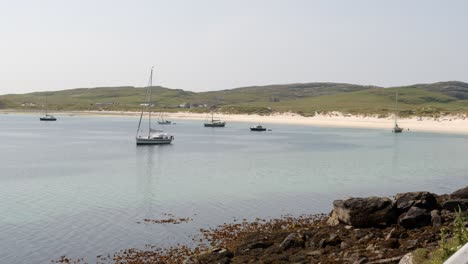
365	212
455	204
412	244
426	200
415	217
344	245
460	194
216	255
359	233
291	241
436	219
333	219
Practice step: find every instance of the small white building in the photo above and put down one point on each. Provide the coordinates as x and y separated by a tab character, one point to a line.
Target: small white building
28	104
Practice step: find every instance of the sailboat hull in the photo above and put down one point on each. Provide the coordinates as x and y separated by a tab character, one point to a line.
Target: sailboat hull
153	141
397	130
257	129
215	124
48	119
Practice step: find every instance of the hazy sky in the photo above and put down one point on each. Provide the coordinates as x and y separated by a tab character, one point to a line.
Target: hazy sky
204	45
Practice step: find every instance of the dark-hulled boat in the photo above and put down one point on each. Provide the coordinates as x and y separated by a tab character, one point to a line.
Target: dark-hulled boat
258	128
46	116
214	122
396	128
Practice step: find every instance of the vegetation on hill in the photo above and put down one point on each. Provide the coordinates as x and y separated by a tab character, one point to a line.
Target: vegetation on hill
306	99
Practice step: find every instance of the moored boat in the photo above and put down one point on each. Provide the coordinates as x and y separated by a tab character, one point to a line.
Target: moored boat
163	121
154	136
396	128
258	128
46	116
214	122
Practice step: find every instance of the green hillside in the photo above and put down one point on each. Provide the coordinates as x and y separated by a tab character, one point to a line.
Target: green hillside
306	99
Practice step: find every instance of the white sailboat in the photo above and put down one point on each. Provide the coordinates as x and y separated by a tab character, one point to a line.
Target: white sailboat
47	116
152	136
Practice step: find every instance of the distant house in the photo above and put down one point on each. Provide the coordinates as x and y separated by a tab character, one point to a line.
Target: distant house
146	104
198	105
28	104
184	105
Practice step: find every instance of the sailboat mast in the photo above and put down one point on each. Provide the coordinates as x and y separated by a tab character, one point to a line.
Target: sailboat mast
46	104
143	107
396	107
149	102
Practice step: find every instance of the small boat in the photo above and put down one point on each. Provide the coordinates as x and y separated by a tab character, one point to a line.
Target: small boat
46	116
215	122
258	128
154	136
396	128
163	121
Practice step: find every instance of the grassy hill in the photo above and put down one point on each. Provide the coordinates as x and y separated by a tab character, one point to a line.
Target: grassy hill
303	98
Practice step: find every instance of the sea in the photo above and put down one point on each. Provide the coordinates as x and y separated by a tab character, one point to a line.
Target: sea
81	187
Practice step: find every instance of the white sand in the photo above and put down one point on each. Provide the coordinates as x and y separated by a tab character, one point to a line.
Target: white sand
447	124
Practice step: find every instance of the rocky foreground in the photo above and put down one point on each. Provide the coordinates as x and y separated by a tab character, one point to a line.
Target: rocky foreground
358	230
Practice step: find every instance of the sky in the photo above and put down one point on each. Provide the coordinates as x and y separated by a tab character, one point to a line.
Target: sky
202	45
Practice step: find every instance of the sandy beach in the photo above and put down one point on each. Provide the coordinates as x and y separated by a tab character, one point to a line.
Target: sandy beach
446	124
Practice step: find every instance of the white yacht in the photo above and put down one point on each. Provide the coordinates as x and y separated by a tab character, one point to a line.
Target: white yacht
152	136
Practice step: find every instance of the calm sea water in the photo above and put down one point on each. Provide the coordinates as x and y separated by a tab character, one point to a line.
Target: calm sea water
78	186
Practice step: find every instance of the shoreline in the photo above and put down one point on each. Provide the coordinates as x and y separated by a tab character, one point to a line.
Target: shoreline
449	124
411	227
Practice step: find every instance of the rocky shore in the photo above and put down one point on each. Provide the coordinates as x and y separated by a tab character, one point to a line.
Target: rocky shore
407	229
358	230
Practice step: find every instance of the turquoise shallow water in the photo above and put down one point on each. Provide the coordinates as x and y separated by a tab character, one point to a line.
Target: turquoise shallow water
79	186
